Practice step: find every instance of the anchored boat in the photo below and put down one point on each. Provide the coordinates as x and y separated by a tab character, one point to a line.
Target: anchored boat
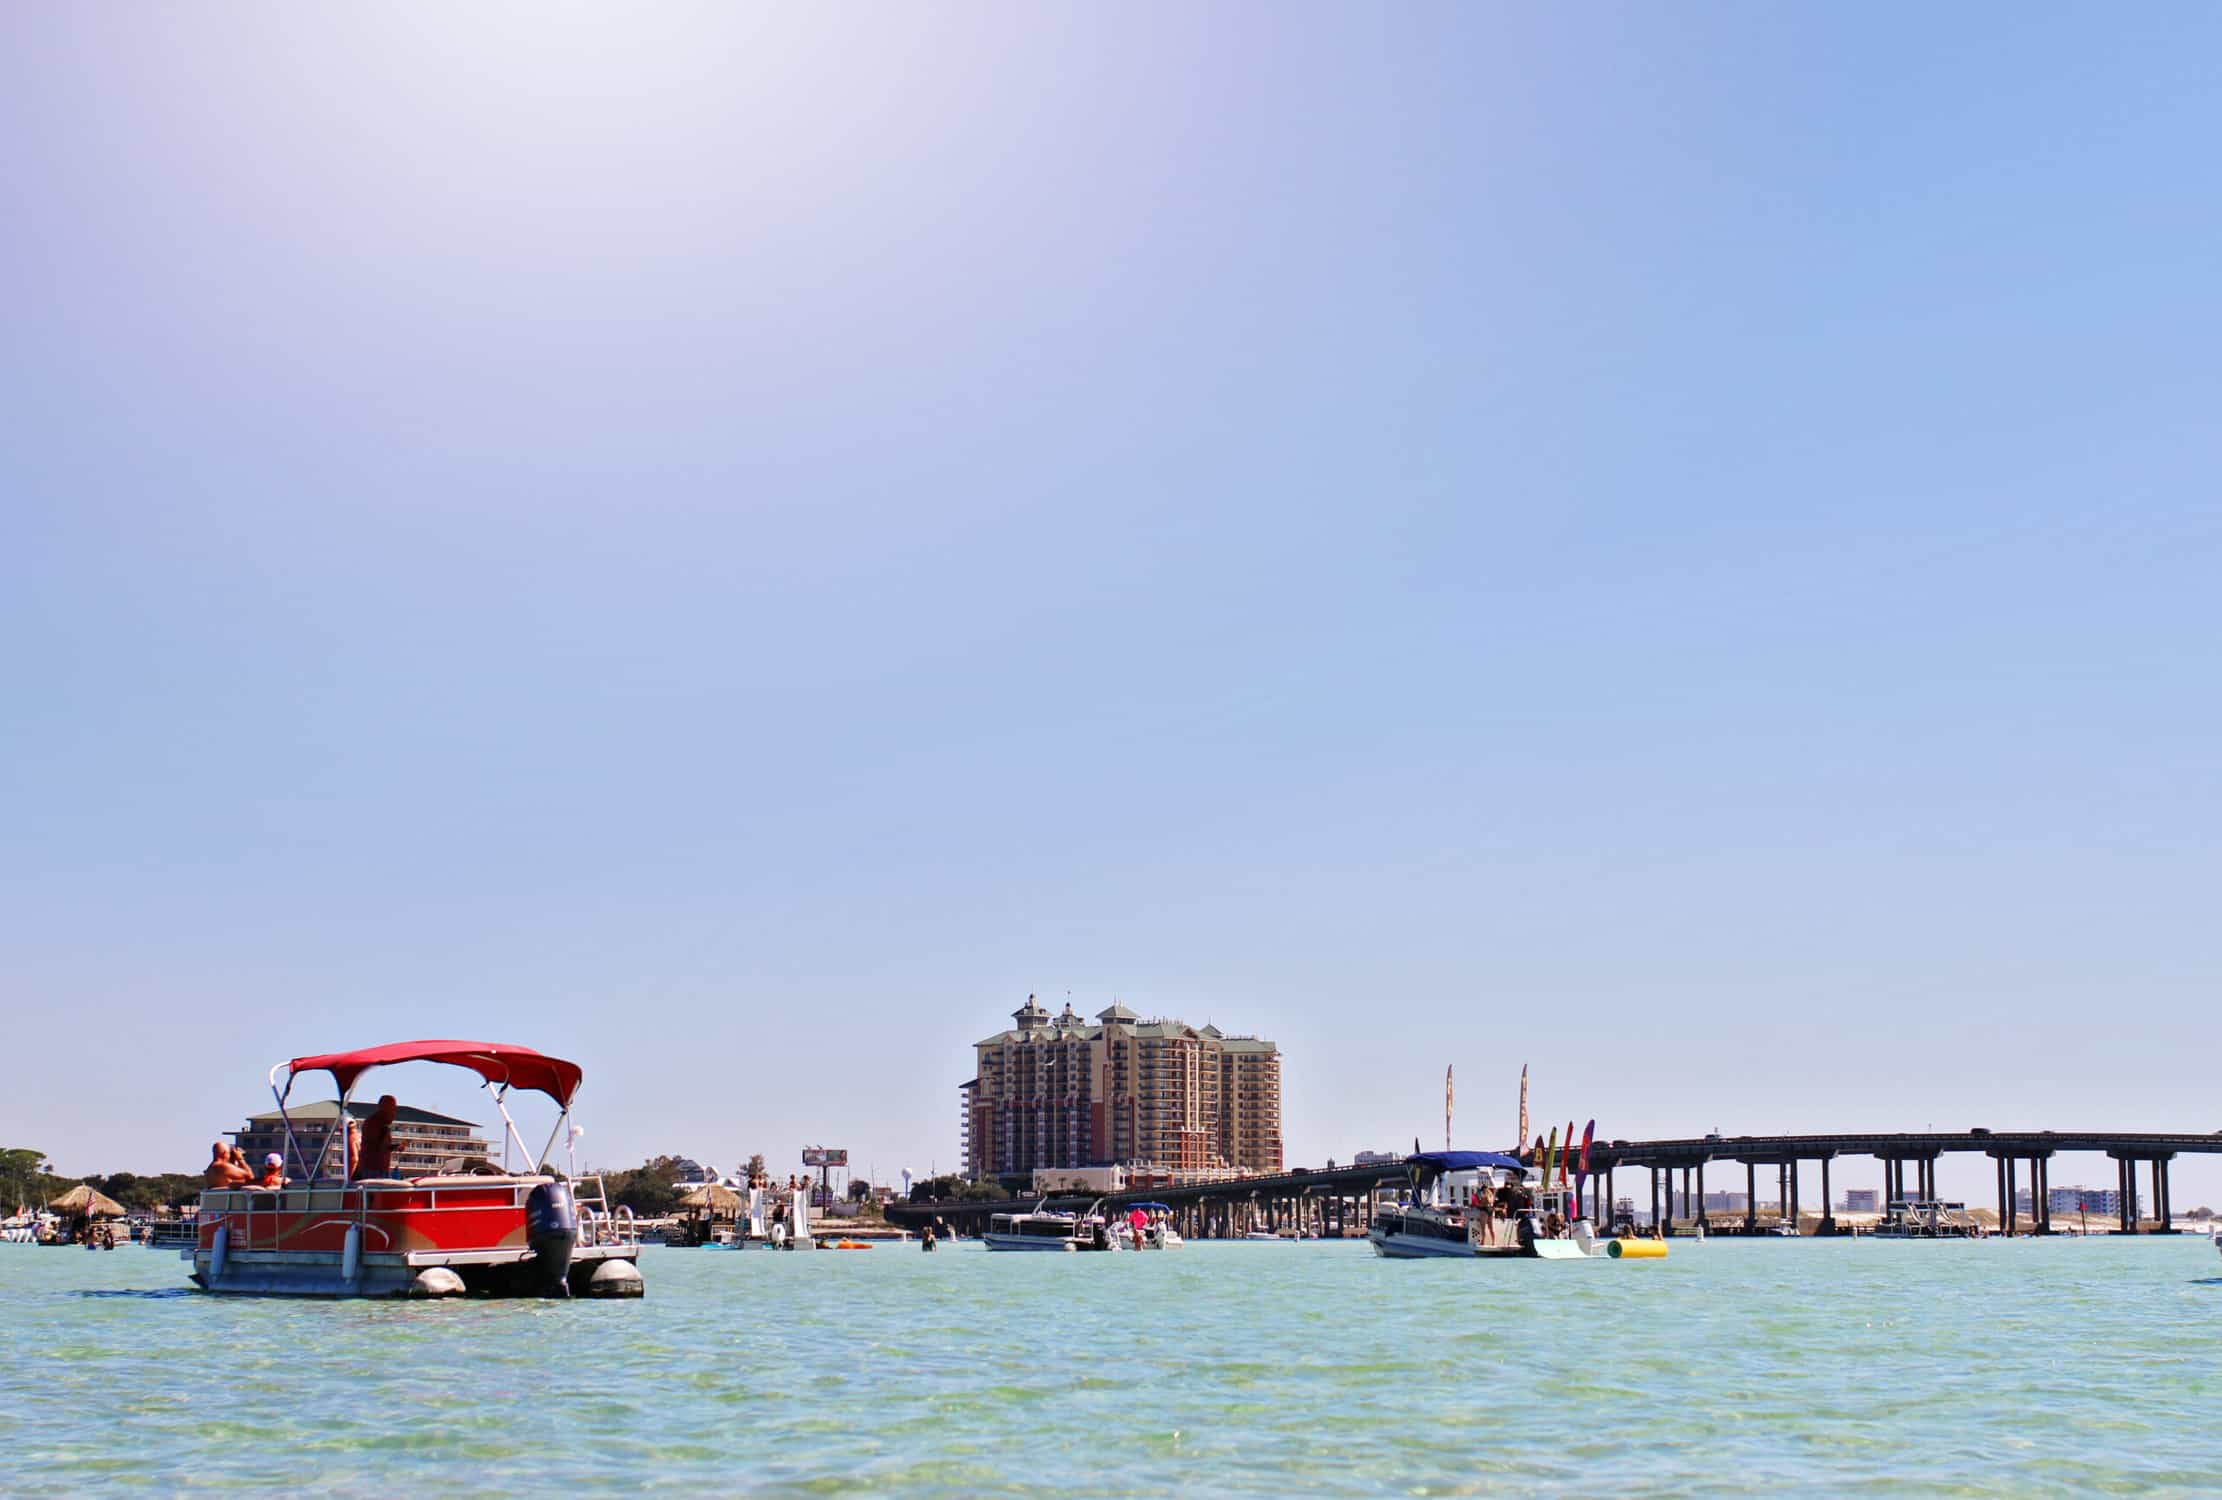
1046	1229
1038	1230
1479	1205
481	1229
1149	1226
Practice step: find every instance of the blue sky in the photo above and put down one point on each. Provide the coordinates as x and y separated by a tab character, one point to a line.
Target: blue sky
1678	547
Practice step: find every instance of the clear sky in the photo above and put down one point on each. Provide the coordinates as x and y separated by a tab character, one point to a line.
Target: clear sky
1675	544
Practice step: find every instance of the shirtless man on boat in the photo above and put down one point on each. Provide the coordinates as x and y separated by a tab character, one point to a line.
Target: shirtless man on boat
224	1171
374	1143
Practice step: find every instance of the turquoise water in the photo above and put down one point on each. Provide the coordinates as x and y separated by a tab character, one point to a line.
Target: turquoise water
1315	1369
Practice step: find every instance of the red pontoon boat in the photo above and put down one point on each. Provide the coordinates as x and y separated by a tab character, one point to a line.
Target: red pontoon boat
484	1229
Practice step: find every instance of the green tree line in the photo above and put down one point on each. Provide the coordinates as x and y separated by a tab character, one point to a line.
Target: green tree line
950	1186
27	1179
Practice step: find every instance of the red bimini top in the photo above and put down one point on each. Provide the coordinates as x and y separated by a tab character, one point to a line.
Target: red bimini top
496	1062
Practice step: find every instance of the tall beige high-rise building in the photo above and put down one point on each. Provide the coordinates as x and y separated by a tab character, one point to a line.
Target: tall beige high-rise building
1055	1091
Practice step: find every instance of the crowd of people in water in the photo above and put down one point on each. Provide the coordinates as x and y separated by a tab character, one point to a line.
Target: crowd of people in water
91	1231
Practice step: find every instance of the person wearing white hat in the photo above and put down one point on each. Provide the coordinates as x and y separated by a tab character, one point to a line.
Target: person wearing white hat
273	1171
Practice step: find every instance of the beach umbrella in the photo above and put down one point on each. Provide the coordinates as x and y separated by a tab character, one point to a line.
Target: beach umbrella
83	1199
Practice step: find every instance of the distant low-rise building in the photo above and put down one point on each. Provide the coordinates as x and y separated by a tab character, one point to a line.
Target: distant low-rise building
2067	1201
1862	1200
424	1143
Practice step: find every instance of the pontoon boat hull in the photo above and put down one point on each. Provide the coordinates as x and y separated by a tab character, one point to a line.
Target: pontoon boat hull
380	1239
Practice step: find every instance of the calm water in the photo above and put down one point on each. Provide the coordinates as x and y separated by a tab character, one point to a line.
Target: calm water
1270	1369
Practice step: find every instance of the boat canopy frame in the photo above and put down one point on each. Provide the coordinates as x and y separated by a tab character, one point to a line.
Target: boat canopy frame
500	1067
1463	1161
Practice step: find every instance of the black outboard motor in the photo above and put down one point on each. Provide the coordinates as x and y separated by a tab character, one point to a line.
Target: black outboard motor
552	1230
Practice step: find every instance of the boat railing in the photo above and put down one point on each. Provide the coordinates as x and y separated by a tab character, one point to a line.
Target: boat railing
261	1218
598	1223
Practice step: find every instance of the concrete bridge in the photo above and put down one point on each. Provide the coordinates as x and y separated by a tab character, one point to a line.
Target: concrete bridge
1333	1200
1328	1201
1895	1154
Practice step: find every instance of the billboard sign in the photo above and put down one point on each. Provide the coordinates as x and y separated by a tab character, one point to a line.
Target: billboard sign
824	1156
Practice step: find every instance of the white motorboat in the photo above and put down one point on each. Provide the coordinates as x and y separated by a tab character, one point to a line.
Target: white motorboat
1048	1230
1148	1226
1477	1205
1032	1231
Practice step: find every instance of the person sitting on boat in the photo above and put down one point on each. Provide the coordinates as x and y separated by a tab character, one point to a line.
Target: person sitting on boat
222	1171
273	1171
375	1158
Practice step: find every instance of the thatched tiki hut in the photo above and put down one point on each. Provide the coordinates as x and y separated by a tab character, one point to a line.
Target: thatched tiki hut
85	1208
85	1202
711	1204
